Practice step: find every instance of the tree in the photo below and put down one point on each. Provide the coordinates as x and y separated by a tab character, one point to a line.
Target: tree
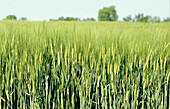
23	18
141	18
128	18
147	19
89	19
108	14
11	17
69	19
156	19
167	19
53	20
77	19
138	18
61	18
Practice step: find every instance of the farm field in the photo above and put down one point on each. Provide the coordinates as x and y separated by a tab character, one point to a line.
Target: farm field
109	65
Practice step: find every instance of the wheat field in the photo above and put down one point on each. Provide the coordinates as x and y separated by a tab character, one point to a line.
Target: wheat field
68	65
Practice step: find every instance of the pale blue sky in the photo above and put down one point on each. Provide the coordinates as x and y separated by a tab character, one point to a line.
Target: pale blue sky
38	10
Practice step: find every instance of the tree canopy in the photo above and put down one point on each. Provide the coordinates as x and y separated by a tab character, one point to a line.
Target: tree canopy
11	17
141	18
167	19
23	18
108	14
128	18
89	19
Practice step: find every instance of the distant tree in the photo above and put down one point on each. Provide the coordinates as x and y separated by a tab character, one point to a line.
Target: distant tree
23	18
156	19
89	19
11	17
128	18
69	19
108	14
167	19
138	18
61	18
147	19
77	19
53	20
141	18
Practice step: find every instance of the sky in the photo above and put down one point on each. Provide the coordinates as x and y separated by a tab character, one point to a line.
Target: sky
39	10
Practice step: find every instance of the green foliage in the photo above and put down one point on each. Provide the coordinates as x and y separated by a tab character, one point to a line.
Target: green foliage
61	18
53	20
141	18
62	65
128	18
72	19
155	19
108	14
68	19
167	20
11	17
23	18
89	19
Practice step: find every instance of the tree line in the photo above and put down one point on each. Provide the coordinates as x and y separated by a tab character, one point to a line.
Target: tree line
110	14
105	14
72	19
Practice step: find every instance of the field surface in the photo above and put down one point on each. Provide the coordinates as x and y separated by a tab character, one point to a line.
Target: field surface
109	65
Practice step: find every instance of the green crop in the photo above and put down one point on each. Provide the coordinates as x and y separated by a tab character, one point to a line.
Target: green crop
109	65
